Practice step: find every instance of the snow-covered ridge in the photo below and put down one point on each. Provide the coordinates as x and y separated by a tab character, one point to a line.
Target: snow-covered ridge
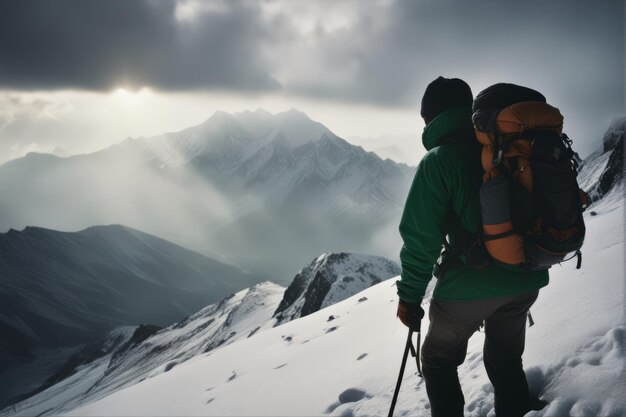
111	363
330	278
62	289
132	354
348	366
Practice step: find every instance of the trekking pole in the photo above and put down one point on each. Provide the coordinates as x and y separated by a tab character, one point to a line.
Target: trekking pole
408	347
415	353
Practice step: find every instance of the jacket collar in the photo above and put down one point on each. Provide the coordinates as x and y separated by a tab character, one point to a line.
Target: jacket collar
453	121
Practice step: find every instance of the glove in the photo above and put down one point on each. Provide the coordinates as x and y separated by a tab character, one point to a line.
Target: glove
411	315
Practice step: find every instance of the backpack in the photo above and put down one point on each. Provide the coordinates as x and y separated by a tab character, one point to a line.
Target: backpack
531	204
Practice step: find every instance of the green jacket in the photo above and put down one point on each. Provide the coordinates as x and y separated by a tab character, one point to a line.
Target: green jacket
449	178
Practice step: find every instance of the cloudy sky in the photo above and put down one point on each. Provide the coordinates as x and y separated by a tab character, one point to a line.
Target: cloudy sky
79	75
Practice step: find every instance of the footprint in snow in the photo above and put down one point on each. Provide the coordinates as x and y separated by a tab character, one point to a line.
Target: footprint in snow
210	400
362	299
351	395
233	376
332	329
281	366
361	356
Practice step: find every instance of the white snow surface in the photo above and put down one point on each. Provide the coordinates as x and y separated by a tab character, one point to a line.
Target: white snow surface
348	366
233	318
236	317
590	173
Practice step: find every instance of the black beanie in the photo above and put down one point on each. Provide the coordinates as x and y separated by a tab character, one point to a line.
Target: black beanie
443	94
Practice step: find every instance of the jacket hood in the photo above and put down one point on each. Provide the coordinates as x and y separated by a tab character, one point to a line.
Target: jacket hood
452	121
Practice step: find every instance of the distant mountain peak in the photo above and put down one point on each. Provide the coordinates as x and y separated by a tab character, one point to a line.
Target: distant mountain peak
220	114
262	112
294	111
217	118
60	152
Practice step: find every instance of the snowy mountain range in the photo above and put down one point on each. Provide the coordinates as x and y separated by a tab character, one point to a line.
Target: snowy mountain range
61	289
343	360
261	191
131	354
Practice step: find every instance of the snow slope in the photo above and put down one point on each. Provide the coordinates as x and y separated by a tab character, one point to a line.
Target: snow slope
348	365
62	289
108	365
111	363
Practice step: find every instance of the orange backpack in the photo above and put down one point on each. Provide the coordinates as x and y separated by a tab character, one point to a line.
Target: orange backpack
531	204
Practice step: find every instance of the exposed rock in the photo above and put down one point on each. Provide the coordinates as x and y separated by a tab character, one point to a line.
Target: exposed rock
609	159
330	278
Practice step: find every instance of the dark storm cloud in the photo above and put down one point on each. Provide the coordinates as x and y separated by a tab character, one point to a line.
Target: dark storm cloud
96	45
573	46
571	50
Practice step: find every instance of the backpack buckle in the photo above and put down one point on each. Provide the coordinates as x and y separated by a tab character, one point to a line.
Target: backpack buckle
496	161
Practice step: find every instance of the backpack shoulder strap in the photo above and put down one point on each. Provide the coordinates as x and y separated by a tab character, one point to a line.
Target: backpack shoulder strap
464	249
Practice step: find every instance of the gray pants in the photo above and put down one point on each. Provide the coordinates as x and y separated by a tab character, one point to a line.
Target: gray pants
445	346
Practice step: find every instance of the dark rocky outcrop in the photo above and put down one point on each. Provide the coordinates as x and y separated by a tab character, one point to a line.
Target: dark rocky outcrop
331	278
613	172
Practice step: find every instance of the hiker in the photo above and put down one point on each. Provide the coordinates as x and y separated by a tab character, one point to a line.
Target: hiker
444	201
